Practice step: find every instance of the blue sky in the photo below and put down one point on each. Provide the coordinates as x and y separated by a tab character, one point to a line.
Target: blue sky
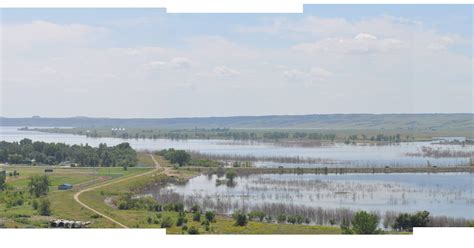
330	59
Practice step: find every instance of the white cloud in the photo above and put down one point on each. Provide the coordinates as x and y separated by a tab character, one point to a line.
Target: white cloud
225	71
178	63
361	43
442	43
43	32
308	76
339	35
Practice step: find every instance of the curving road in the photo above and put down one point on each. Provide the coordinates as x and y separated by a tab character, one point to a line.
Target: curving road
76	196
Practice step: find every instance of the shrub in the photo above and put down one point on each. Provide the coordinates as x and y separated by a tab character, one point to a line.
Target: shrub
35	204
240	218
230	175
195	208
259	215
96	216
197	216
210	216
166	222
45	207
178	207
281	218
181	220
193	230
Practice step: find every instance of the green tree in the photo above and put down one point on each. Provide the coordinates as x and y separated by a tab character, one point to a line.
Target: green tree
180	157
45	207
406	222
365	223
3	176
39	185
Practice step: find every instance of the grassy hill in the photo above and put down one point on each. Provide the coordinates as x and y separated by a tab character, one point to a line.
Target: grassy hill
462	121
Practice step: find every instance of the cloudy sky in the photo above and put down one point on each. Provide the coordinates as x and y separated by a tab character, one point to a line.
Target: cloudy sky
146	63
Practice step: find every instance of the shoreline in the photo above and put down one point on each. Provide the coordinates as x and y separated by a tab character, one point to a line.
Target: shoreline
334	170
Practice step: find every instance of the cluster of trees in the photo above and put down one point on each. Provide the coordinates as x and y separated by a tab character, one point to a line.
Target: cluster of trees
28	152
406	222
367	223
180	157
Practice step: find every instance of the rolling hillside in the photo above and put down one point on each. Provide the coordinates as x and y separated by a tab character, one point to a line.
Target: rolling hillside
330	121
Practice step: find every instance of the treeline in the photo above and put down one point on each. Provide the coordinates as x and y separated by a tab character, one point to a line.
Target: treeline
228	134
29	152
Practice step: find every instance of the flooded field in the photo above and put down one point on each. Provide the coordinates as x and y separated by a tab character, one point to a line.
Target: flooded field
447	194
363	155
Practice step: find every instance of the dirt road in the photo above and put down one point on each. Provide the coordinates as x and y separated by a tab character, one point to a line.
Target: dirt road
78	194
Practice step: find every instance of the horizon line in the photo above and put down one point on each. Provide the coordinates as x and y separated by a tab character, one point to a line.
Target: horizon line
228	116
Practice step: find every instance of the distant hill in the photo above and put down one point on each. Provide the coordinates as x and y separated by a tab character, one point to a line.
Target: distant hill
327	121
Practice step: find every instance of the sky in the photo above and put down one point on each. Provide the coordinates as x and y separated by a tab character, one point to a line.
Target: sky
146	63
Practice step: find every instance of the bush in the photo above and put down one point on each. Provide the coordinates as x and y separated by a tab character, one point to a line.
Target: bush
3	177
45	207
181	220
197	216
230	175
295	219
126	201
35	204
281	218
240	218
210	216
193	230
166	222
259	215
365	223
195	208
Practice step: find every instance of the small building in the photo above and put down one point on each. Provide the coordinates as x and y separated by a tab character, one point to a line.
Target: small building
65	186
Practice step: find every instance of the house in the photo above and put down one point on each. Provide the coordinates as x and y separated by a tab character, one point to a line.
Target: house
65	186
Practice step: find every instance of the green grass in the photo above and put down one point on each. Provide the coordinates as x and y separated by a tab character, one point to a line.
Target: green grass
62	202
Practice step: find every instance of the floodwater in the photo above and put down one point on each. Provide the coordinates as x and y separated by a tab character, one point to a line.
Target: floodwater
442	194
332	155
